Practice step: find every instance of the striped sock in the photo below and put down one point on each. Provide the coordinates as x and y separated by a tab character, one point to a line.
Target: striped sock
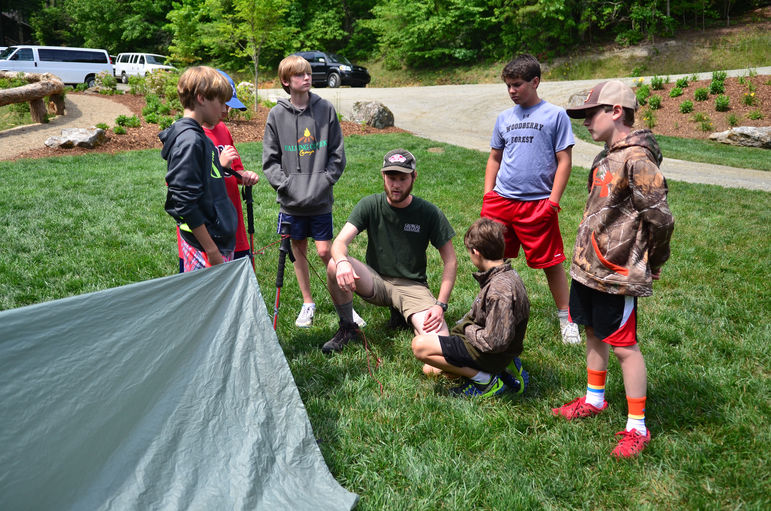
595	387
636	417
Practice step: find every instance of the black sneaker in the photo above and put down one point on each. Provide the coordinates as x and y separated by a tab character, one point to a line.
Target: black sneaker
396	321
345	333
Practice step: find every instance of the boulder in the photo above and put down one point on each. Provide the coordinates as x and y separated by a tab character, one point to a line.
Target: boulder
78	137
748	136
372	113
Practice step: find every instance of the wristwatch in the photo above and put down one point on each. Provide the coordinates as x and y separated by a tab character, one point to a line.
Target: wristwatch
442	305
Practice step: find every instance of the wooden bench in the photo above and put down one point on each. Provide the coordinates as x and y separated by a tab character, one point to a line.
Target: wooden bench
39	86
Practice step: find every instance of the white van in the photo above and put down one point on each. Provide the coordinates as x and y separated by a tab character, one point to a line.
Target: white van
139	64
71	65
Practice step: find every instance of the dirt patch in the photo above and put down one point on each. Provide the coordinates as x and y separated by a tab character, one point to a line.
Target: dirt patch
146	136
670	121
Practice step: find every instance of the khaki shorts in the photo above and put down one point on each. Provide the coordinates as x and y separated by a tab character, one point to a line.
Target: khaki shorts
408	296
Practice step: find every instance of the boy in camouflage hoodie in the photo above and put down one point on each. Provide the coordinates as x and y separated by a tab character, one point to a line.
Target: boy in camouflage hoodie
621	246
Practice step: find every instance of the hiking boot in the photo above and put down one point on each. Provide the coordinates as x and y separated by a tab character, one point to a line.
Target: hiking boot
305	318
515	377
345	333
631	443
396	321
473	389
570	333
578	409
358	320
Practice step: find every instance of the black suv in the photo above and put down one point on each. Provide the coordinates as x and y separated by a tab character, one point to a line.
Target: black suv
333	70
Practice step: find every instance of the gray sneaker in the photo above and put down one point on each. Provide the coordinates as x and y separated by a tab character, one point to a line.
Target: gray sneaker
305	318
345	333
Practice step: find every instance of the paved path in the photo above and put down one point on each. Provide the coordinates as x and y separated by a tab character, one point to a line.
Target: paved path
464	115
81	111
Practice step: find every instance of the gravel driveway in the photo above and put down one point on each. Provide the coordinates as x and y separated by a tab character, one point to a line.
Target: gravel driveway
464	115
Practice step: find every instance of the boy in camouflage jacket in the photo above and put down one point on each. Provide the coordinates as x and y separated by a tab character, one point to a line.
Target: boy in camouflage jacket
621	246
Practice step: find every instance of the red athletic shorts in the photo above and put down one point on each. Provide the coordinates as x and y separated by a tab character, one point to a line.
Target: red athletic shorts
613	317
532	224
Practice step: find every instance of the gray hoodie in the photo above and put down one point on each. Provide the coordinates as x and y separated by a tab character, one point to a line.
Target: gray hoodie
303	155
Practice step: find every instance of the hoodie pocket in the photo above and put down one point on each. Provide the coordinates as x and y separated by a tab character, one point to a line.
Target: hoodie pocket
605	262
307	189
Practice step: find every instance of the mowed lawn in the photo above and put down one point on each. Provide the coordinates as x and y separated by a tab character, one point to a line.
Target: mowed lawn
73	225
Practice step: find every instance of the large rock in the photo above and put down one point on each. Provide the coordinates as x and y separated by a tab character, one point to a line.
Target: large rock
748	136
372	113
78	137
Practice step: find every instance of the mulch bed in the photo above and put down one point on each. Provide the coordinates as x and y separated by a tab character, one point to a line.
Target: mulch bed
146	136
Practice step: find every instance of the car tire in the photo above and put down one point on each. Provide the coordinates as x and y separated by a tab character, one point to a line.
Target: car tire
90	81
333	80
123	77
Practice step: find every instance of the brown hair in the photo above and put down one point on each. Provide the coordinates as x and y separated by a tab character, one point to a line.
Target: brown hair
290	66
204	81
523	66
486	236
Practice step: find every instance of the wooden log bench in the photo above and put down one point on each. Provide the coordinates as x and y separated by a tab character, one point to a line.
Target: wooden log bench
39	86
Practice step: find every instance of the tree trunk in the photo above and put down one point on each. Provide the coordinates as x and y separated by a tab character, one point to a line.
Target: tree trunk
38	110
30	92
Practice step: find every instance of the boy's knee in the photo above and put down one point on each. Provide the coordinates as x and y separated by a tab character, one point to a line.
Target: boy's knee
324	253
419	345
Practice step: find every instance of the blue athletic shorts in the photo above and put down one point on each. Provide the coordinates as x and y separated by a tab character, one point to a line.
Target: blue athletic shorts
318	227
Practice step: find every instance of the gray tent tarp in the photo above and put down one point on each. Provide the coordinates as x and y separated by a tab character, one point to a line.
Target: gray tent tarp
167	394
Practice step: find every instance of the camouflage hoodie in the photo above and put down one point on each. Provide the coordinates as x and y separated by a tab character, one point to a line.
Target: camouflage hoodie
624	234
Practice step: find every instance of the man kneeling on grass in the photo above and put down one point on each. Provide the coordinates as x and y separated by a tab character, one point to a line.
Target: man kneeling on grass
484	346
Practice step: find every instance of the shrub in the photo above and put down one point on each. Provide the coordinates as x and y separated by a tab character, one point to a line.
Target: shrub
119	130
165	121
643	92
81	87
755	115
699	117
721	103
649	119
102	126
732	120
657	83
654	102
130	122
675	92
686	106
719	76
701	94
749	98
682	82
106	79
716	87
137	85
706	125
150	118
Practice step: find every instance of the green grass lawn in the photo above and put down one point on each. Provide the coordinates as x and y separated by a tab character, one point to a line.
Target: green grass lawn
694	150
77	224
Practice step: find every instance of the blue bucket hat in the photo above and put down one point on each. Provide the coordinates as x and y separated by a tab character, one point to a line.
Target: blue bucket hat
234	102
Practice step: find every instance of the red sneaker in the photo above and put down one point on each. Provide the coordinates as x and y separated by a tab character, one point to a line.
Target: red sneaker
631	443
578	409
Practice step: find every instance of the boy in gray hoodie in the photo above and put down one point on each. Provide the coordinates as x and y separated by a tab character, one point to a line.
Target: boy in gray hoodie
302	158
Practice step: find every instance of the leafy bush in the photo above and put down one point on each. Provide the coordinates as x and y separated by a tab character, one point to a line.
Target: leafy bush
716	87
137	85
129	122
701	94
732	120
643	92
649	119
657	83
165	121
699	117
106	79
10	83
721	103
755	115
119	130
682	82
654	102
102	126
686	106
151	117
675	92
749	98
719	76
81	87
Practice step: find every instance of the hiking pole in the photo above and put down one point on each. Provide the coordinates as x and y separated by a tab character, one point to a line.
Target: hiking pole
246	192
284	249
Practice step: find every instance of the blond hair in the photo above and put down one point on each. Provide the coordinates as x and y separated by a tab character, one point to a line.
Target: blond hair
290	66
204	81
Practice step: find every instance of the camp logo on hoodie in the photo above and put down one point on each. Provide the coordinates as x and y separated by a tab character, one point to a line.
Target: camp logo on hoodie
306	145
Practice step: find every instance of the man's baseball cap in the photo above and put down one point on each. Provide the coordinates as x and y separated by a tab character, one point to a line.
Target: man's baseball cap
399	160
233	102
611	92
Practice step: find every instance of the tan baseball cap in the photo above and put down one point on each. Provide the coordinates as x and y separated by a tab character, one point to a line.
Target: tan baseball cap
611	93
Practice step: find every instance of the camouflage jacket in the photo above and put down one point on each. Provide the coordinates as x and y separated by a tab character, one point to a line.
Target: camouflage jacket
625	231
498	318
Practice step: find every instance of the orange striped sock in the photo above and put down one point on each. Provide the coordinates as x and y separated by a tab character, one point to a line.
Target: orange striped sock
595	387
636	417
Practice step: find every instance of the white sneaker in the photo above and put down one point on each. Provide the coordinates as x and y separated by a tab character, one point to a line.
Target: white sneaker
570	333
305	318
358	320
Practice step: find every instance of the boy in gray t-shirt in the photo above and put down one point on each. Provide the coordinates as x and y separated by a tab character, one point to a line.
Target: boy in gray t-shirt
526	174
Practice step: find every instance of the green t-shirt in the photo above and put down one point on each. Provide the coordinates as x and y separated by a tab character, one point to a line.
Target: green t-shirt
399	237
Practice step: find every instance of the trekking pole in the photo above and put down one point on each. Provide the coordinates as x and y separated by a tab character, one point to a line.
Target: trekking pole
246	192
284	249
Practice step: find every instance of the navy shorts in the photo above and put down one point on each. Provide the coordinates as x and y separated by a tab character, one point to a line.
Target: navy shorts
318	227
613	317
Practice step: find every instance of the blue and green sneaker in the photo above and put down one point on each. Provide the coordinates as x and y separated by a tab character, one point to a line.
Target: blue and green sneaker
515	376
472	389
